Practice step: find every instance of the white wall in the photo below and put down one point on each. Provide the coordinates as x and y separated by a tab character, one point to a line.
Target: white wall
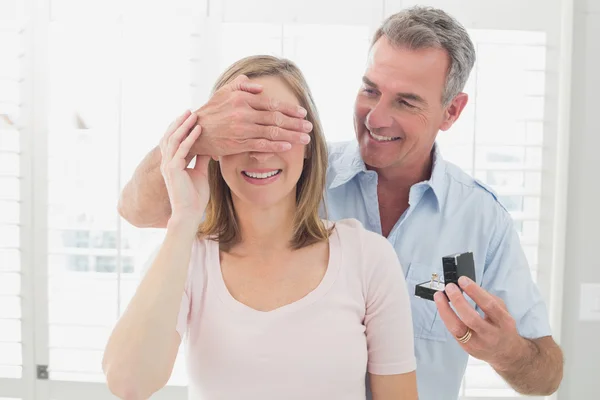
581	340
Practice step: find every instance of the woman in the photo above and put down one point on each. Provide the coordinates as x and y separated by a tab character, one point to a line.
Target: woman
274	302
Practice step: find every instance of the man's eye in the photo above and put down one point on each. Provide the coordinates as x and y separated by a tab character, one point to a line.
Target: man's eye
405	104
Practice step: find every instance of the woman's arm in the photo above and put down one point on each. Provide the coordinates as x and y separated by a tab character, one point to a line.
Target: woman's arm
388	323
141	351
142	348
394	387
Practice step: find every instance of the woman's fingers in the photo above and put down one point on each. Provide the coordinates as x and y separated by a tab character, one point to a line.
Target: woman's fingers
178	136
188	142
175	124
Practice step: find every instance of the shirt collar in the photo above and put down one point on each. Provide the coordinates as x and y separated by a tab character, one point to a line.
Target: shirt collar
350	164
438	174
347	166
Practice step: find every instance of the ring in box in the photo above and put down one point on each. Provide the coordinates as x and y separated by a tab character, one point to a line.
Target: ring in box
454	266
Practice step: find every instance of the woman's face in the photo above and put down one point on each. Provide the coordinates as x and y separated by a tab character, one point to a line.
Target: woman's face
265	179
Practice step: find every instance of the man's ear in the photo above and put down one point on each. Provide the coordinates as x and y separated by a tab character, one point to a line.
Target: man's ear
453	111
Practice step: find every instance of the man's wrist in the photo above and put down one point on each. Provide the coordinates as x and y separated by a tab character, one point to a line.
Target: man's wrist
519	355
200	146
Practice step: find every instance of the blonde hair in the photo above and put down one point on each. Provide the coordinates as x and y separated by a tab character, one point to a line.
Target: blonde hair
220	221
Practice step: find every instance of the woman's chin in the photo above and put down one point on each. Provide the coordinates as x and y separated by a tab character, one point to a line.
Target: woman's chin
258	202
261	201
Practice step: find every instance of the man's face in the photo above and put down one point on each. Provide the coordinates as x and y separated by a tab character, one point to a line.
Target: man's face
398	111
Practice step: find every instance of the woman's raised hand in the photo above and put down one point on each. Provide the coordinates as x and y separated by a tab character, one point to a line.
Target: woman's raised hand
187	187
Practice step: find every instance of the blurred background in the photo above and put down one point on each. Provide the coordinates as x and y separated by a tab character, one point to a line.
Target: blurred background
87	88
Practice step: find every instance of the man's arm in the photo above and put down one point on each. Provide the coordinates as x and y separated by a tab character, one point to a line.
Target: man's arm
513	335
537	368
532	367
144	201
238	118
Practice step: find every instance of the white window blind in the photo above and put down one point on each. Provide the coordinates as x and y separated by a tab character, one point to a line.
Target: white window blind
83	121
11	88
114	87
113	83
499	139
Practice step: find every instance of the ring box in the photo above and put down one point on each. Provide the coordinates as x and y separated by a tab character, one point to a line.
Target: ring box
454	266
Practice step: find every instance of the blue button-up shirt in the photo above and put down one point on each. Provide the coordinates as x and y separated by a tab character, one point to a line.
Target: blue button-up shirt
450	213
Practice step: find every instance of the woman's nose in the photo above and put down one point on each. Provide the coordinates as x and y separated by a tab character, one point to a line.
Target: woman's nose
261	157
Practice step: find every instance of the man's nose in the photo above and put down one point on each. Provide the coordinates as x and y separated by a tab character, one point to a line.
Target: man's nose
379	117
260	157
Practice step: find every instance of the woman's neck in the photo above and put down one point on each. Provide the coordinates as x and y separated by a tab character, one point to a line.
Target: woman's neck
266	230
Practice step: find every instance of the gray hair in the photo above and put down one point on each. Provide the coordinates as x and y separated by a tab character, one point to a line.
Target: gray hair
426	27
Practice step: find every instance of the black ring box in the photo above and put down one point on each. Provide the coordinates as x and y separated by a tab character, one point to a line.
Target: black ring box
454	266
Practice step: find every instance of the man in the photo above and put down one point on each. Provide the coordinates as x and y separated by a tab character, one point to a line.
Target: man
394	180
